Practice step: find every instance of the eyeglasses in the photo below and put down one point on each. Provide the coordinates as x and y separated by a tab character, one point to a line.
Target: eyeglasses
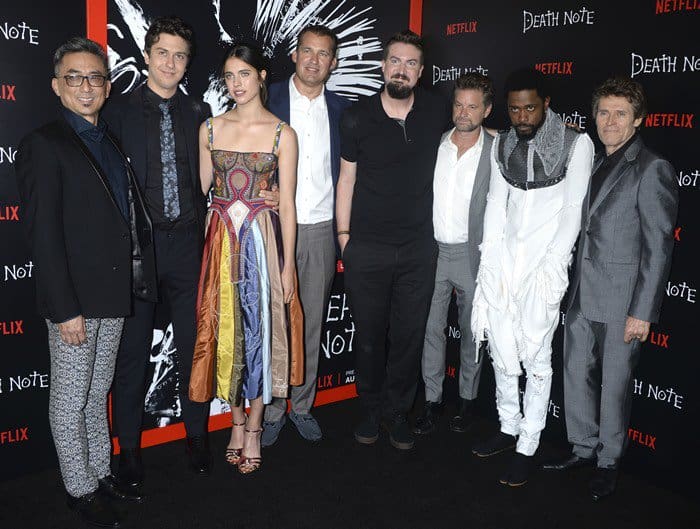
94	80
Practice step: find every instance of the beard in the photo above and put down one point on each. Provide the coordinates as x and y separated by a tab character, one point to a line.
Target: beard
398	90
528	132
466	126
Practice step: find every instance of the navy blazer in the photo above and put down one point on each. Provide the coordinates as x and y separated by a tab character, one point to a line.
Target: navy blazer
125	117
278	103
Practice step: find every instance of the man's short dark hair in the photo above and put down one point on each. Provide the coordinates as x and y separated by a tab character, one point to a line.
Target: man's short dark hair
475	81
320	31
405	37
171	25
78	45
527	79
625	87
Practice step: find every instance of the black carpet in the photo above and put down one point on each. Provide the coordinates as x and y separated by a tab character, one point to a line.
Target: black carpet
340	484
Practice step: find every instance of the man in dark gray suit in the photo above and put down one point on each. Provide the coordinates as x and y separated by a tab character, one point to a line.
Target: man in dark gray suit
460	185
624	258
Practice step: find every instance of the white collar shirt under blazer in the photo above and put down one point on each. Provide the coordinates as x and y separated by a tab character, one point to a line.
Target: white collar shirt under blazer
309	119
453	183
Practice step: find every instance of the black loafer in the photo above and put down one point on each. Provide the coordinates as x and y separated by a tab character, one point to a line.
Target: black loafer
94	510
569	462
427	421
111	487
603	483
464	416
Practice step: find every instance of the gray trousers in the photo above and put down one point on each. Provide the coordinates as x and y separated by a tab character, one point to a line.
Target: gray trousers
453	272
81	376
598	367
316	259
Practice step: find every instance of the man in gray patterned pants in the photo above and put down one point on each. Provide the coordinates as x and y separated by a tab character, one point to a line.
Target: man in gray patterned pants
91	244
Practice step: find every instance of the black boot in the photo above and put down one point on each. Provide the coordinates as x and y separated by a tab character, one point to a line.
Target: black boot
519	470
427	421
400	435
130	467
367	432
464	416
110	487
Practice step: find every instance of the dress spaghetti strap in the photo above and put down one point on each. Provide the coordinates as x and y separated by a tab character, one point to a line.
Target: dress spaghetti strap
210	134
278	132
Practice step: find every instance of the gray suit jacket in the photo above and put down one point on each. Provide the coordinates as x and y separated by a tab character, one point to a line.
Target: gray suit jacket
477	204
624	253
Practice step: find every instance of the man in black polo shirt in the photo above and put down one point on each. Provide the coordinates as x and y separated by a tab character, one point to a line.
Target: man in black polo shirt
384	218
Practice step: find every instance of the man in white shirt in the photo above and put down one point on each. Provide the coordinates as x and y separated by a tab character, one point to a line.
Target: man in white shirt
540	174
314	113
460	185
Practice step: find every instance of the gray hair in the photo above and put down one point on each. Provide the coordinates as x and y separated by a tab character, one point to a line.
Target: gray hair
77	45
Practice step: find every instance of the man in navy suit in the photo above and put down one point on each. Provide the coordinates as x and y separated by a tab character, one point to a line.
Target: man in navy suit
314	113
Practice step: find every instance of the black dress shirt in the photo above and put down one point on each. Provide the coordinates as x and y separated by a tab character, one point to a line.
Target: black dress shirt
605	168
106	155
154	176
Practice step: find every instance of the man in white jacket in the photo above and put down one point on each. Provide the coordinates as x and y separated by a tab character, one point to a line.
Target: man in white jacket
540	173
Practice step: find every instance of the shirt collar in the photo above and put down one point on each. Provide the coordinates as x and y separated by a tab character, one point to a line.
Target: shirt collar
83	127
155	100
296	96
447	141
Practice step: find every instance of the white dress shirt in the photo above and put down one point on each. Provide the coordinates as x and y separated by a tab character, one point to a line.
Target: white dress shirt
309	118
452	189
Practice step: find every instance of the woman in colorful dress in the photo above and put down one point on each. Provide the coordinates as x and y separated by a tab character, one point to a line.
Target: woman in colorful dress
248	270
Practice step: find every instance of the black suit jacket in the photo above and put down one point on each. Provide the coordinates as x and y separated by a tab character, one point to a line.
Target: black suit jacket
81	245
125	117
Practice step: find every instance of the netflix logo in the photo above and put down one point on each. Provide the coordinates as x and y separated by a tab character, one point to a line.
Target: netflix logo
10	213
677	234
642	438
556	68
458	28
674	120
11	327
7	92
674	6
14	436
659	339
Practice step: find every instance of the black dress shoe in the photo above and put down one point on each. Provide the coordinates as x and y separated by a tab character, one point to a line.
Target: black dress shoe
464	416
200	457
94	510
400	435
500	442
130	467
519	470
111	487
565	463
426	422
367	432
603	483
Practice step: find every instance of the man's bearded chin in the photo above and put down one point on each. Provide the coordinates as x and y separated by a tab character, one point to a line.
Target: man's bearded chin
398	90
531	131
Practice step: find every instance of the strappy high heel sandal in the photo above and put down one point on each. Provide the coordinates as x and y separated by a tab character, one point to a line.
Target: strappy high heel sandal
233	455
248	465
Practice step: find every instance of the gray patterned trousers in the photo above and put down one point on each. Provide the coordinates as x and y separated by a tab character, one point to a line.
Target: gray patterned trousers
81	376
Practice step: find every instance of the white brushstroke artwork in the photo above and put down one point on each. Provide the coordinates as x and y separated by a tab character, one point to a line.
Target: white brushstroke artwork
276	26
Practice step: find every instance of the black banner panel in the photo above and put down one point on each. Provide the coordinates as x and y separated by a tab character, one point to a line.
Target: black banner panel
577	45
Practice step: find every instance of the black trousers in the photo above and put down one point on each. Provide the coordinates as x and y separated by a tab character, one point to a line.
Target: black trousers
389	289
178	261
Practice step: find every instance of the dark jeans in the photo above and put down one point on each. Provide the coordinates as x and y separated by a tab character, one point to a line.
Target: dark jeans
389	289
178	261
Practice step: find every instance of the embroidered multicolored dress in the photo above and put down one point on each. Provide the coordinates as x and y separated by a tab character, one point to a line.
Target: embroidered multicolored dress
243	341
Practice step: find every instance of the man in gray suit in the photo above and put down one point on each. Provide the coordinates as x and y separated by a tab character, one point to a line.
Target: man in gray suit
624	258
460	186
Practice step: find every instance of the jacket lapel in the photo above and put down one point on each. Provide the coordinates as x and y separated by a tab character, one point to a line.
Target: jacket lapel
629	159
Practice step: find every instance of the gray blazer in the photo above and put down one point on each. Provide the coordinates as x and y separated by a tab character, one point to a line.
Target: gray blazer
477	204
624	254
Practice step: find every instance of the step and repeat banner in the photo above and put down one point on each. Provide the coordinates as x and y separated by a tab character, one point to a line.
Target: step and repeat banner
577	45
29	34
